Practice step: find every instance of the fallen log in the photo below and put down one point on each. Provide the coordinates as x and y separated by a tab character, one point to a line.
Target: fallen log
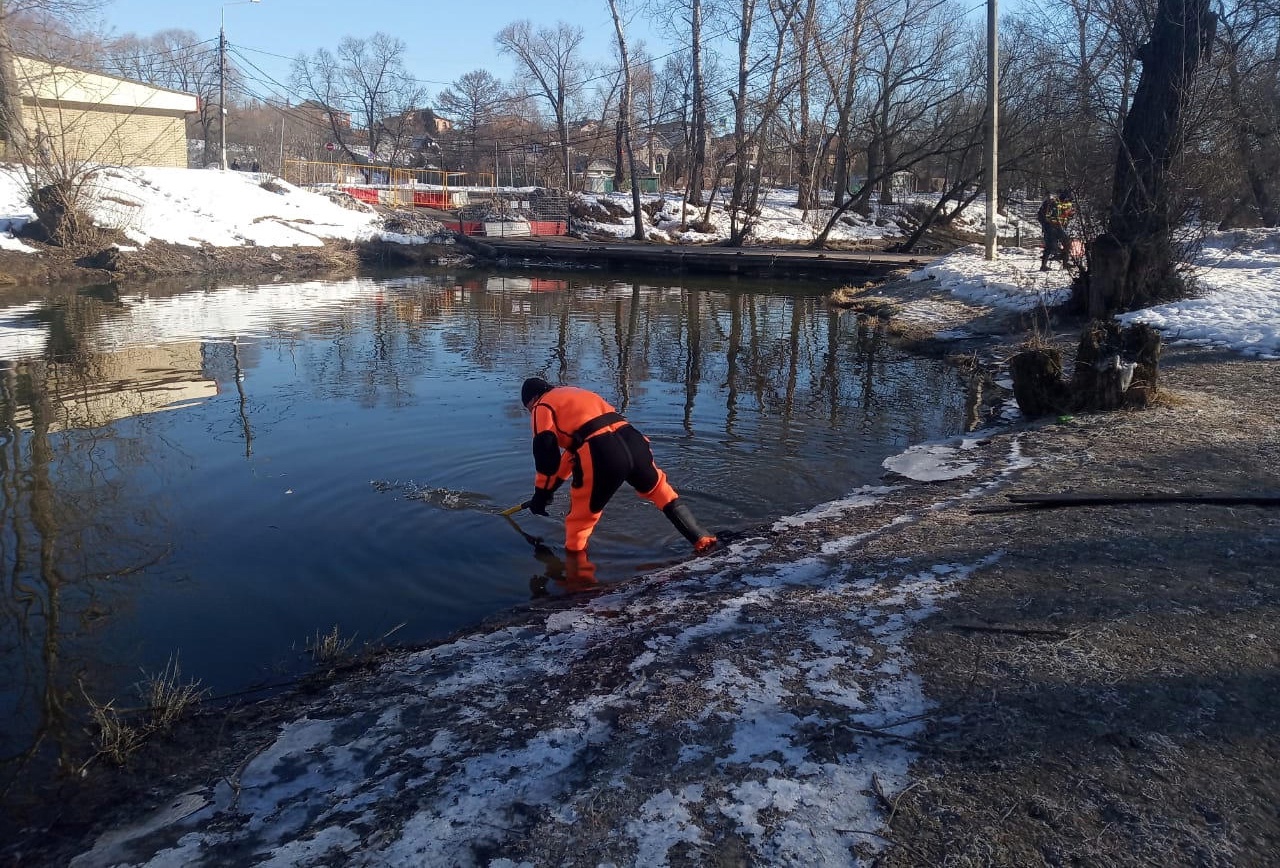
1044	501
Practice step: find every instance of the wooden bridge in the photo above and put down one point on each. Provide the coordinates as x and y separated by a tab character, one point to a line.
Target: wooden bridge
747	261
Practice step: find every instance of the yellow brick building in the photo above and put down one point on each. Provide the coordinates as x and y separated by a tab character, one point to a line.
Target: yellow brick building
73	116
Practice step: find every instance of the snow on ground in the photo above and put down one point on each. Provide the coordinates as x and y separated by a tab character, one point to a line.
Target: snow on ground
779	221
196	206
790	747
1238	275
1012	281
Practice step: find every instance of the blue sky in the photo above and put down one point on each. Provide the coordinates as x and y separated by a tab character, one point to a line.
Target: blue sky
444	40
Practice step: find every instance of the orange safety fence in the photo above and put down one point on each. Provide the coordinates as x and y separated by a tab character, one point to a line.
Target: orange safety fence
389	185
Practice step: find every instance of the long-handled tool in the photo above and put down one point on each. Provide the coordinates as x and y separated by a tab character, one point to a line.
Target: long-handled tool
512	510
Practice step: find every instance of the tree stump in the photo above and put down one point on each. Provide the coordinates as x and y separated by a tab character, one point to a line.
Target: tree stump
1038	384
1114	368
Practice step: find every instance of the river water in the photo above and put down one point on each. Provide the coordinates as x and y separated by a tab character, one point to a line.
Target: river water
215	476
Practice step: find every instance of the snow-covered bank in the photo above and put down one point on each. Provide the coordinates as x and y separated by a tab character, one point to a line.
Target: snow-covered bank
1238	276
198	207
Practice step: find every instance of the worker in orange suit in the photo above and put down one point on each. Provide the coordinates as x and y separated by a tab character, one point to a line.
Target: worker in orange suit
578	435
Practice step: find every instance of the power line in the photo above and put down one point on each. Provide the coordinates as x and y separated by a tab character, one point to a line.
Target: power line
167	52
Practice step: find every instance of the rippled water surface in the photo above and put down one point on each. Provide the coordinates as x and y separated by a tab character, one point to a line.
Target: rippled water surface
218	476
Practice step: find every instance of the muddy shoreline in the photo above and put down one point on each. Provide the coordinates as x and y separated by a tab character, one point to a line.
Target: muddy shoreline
117	262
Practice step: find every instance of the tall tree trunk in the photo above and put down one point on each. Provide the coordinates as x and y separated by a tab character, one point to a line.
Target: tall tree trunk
562	127
804	193
741	157
1133	264
619	148
624	120
698	139
846	86
875	171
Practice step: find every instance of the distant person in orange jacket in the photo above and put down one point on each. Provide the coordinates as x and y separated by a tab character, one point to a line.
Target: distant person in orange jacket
578	435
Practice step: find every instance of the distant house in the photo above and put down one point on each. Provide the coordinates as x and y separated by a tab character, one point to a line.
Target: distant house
75	116
317	113
653	151
415	135
422	123
597	176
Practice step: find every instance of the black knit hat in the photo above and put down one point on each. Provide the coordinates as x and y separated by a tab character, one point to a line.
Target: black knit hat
533	388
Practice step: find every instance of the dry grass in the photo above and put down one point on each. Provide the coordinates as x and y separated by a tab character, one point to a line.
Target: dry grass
1120	708
115	739
329	648
166	699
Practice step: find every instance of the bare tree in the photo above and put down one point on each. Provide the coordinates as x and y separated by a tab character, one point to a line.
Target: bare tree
625	120
685	21
175	59
916	80
754	109
840	56
472	103
12	131
805	33
367	81
552	57
1087	61
1249	56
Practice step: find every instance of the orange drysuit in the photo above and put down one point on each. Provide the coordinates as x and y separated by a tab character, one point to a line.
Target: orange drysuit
578	435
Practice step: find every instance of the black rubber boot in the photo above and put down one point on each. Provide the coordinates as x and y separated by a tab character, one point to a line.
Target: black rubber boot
680	516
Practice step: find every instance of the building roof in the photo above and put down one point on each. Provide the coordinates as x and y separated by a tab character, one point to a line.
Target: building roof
51	82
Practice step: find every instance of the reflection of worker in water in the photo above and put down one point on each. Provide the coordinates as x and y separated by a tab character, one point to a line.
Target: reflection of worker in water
579	435
576	573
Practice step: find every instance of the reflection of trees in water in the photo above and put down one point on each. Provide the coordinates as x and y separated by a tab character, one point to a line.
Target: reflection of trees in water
66	541
785	357
692	331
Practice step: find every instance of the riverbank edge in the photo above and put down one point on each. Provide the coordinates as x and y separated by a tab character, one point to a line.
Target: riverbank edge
113	263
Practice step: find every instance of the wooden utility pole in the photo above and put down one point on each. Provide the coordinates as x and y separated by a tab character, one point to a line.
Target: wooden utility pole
993	126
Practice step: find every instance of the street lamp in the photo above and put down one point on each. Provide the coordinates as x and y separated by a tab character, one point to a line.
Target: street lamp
222	82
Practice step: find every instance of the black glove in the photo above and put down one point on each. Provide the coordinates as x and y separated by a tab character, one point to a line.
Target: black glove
540	501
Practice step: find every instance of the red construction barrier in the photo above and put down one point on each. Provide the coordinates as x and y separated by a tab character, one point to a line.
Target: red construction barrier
548	227
364	194
430	199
